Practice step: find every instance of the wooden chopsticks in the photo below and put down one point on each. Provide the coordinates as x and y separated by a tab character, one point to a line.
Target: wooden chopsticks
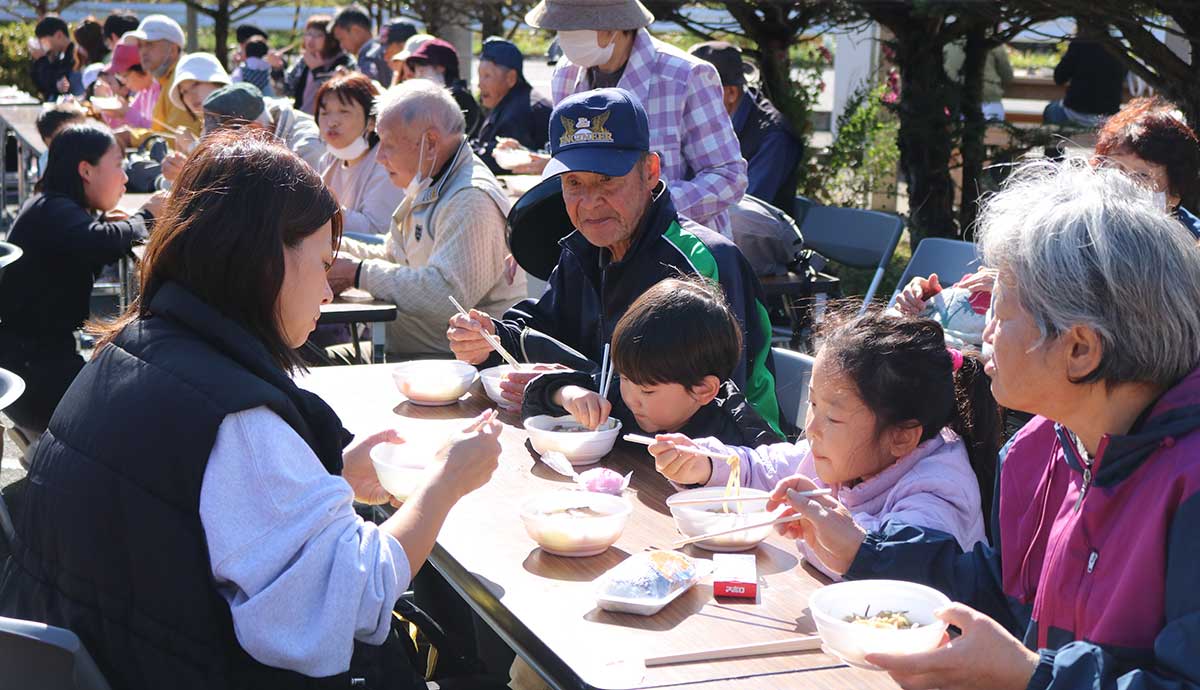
807	643
491	339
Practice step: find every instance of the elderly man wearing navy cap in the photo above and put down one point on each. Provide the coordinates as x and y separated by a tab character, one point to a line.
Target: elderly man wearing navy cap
607	43
515	111
628	236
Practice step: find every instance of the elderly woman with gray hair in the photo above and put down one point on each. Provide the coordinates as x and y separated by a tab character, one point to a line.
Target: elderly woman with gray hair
1092	580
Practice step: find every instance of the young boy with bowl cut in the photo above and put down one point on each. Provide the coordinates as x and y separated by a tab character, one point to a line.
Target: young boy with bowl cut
673	352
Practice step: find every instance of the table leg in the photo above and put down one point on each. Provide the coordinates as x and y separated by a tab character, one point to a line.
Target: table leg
123	278
22	173
4	173
379	342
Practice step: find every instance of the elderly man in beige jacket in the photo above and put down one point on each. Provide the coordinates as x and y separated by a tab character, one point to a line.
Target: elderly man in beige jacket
447	235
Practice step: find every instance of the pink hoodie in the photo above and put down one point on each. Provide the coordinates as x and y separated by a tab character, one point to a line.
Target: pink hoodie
933	486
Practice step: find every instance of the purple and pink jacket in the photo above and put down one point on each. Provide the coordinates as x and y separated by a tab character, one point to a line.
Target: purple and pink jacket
933	486
1096	566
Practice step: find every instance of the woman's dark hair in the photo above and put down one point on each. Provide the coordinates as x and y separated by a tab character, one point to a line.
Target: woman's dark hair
905	374
89	35
240	200
1149	129
73	145
349	88
245	32
324	24
119	23
678	331
256	46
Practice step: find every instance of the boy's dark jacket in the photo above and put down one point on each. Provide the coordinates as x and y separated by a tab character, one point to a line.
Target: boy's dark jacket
729	417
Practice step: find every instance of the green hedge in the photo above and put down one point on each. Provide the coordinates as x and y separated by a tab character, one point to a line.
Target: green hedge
14	55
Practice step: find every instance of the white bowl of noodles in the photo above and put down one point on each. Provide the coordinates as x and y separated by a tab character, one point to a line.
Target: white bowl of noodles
864	617
717	516
581	445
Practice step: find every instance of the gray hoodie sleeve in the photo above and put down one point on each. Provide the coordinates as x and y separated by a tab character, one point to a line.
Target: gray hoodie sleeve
303	574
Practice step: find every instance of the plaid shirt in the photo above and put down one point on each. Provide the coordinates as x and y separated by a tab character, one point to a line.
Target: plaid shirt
689	127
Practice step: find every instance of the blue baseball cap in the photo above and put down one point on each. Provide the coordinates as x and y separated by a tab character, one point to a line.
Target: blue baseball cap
604	131
503	53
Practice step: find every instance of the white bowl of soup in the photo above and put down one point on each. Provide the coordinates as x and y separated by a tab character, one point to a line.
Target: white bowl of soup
434	381
718	515
492	377
575	523
580	445
864	617
402	467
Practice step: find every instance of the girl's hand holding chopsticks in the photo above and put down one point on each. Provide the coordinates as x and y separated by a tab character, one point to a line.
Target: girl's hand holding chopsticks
822	522
677	458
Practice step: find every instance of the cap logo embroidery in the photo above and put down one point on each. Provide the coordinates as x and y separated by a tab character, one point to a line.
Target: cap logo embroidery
583	130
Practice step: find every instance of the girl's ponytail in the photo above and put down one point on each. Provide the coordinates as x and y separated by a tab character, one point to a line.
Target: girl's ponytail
904	372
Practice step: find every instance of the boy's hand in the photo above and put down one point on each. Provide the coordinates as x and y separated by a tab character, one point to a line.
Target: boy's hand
674	459
588	408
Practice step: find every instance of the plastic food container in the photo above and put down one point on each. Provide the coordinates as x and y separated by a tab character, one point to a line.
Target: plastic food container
694	520
833	604
581	446
575	523
434	381
491	384
647	581
401	467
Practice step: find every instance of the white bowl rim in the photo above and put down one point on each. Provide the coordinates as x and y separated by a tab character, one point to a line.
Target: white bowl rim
386	462
457	364
537	419
689	494
490	372
815	601
625	507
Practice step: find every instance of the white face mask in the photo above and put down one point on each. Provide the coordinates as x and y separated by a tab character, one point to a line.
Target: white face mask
429	72
419	183
581	47
350	151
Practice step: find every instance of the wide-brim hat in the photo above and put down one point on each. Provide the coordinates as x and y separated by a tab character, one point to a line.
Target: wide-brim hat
536	224
597	15
196	67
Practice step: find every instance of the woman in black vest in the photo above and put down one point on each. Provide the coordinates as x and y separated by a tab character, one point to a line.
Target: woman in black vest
68	234
184	514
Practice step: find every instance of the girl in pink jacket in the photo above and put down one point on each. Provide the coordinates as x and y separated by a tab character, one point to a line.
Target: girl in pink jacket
898	426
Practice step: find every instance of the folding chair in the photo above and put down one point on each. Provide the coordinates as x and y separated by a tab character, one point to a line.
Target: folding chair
792	373
36	655
950	259
853	237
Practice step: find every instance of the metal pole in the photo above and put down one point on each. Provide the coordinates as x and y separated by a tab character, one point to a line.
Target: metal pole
193	30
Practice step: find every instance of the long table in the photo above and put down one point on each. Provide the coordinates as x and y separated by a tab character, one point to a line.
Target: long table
544	605
20	120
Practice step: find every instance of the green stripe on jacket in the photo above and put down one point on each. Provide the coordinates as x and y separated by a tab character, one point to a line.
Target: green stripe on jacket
760	382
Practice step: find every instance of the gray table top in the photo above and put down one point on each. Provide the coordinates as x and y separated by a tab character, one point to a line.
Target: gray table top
22	120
